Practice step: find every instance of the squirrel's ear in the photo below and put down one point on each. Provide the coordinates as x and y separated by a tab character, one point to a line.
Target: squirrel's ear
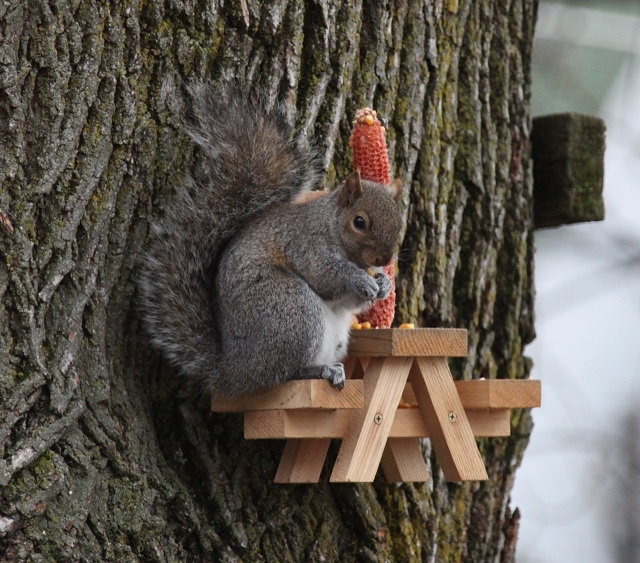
351	189
395	189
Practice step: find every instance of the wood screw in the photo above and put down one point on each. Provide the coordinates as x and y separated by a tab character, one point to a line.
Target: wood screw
378	418
453	417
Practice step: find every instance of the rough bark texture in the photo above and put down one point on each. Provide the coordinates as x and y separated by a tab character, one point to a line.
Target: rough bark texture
99	457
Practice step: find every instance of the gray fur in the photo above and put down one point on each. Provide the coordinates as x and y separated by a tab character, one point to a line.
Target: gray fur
241	286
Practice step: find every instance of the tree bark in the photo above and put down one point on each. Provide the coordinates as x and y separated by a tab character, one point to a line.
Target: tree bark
100	457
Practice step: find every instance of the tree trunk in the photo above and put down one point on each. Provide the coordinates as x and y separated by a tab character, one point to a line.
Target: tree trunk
100	458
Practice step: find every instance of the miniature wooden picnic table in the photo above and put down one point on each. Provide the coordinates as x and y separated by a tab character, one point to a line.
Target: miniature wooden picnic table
399	389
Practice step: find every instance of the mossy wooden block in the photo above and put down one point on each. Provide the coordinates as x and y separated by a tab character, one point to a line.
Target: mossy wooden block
568	169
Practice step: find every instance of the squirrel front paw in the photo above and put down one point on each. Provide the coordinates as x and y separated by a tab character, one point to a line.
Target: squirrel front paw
370	287
384	285
335	374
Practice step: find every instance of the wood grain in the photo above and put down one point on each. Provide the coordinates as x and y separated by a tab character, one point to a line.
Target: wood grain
315	394
448	342
492	393
500	393
298	394
302	461
362	448
407	423
403	461
451	433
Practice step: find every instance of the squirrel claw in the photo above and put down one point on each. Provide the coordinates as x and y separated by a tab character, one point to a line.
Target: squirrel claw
335	374
384	285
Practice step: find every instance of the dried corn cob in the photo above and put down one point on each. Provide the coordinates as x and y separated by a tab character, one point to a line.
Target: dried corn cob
371	158
370	147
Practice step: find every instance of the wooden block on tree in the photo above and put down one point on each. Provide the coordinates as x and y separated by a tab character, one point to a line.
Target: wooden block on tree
315	424
447	342
297	394
568	169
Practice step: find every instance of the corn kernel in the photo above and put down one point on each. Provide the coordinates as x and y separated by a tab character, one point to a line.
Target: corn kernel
403	405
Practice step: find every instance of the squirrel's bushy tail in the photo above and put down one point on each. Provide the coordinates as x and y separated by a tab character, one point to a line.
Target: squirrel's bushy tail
251	160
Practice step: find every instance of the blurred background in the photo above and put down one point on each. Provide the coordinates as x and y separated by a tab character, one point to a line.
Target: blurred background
579	486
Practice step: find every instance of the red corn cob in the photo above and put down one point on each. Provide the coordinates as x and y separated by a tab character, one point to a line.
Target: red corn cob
371	158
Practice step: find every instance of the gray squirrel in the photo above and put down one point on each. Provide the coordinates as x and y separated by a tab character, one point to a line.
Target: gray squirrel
248	283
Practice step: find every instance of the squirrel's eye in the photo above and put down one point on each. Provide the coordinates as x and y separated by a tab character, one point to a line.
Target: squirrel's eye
359	222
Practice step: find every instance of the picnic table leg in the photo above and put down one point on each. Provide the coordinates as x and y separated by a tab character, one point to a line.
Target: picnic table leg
449	429
363	446
403	461
302	460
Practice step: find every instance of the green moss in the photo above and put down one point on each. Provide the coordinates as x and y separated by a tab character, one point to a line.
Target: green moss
41	474
45	467
452	6
452	526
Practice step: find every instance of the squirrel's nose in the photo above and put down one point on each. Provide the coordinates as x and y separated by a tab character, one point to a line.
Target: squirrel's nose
383	260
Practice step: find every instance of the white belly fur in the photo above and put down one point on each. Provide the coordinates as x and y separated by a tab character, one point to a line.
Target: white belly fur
338	317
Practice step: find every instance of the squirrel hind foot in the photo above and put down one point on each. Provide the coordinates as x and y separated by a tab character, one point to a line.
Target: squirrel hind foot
333	373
